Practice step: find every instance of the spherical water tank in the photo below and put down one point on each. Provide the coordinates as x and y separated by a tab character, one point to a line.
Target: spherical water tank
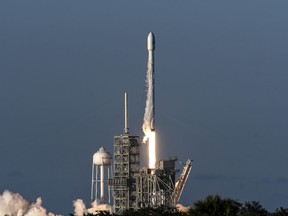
102	157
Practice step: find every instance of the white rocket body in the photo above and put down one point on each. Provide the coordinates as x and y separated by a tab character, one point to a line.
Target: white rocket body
151	91
151	41
149	115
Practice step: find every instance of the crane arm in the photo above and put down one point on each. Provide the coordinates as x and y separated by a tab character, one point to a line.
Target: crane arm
180	184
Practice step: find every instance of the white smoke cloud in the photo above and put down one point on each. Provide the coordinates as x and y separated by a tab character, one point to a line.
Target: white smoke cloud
96	207
182	208
12	204
80	208
37	209
15	204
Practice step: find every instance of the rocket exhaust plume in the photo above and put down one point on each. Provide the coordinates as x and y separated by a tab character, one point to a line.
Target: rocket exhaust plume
149	116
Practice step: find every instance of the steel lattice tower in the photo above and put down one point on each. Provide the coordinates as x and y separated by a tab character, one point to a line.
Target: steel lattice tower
126	165
155	187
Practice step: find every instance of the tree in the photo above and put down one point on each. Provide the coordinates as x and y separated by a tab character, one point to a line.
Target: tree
215	206
253	209
232	207
281	212
149	211
210	206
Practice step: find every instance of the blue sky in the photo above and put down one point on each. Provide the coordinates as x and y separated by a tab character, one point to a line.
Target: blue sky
221	84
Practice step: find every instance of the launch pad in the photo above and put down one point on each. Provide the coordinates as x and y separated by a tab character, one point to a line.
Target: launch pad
134	187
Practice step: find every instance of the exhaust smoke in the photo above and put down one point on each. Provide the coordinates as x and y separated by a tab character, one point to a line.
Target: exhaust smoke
15	204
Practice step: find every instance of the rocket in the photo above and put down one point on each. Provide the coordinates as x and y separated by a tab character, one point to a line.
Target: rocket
149	115
151	42
150	75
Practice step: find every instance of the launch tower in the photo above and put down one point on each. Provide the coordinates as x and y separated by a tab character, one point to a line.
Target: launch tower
126	166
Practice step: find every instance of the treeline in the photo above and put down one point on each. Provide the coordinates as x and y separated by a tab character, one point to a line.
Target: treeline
210	206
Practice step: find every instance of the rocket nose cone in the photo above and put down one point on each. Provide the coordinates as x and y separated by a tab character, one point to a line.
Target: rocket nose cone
151	41
151	35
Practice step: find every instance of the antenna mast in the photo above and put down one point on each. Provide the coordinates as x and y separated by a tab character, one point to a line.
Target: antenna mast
126	129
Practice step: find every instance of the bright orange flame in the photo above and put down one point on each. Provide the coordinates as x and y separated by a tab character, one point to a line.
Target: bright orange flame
150	138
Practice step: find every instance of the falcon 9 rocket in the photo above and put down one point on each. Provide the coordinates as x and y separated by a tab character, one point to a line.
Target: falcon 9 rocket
149	116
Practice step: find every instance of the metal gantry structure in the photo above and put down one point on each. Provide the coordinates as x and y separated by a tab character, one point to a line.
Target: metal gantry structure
126	165
180	184
135	188
155	187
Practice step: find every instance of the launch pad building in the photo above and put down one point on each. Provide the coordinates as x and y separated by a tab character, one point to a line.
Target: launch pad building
135	188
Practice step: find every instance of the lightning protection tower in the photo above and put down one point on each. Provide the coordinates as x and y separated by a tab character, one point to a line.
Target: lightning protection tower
126	166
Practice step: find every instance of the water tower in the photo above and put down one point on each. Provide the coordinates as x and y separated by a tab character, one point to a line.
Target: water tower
101	172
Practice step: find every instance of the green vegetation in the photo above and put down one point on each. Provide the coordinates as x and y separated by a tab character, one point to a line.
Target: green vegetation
210	206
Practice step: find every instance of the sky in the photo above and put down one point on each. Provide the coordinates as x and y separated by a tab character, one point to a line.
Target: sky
221	93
